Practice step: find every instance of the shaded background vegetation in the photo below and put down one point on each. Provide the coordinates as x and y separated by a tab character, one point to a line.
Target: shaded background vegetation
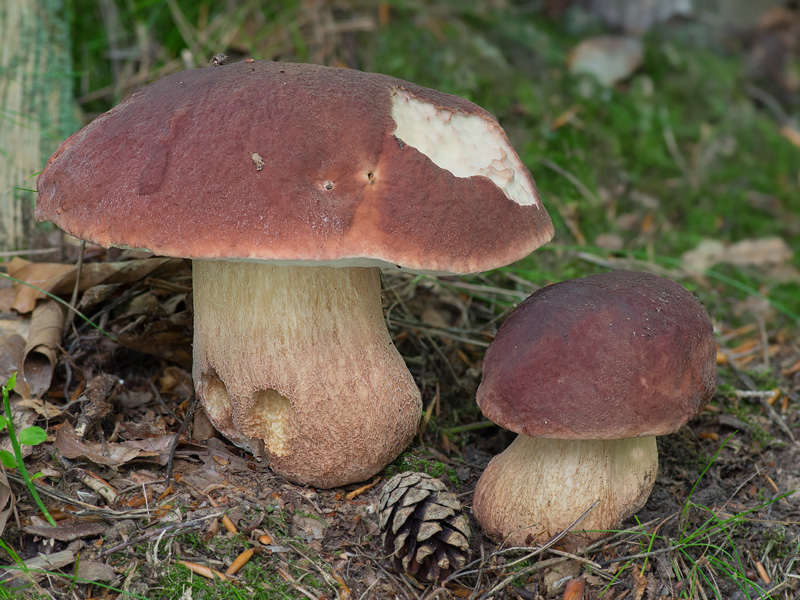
688	148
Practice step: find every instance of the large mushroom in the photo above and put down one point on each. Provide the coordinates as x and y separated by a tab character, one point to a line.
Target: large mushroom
587	372
289	185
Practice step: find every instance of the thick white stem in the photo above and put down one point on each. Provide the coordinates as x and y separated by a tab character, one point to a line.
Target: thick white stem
298	360
538	487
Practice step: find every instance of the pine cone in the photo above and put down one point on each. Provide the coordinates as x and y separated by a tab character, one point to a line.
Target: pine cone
424	529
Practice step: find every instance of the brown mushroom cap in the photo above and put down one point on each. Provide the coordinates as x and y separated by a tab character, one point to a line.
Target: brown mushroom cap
609	356
295	162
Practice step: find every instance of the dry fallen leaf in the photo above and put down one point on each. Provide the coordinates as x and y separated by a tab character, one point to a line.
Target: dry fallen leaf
12	349
59	279
22	419
568	116
109	454
66	533
48	410
7	296
637	16
759	252
156	444
308	528
202	427
6	501
574	589
555	580
44	338
92	570
791	134
772	256
38	567
639	584
609	59
41	275
177	381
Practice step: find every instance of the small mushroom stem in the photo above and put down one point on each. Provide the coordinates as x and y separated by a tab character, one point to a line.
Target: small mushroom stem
538	487
297	361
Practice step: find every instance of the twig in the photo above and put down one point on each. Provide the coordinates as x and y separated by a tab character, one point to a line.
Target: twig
762	330
628	262
69	321
770	102
325	575
556	538
441	332
536	551
478	579
27	252
87	509
585	191
469	427
530	569
174	446
587	561
486	289
753	393
674	150
436	593
174	529
96	484
161	401
391	576
750	384
607	563
366	591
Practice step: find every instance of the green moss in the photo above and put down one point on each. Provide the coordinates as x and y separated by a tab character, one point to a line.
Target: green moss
408	461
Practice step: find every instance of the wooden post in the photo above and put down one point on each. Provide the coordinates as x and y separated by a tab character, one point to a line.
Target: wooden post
36	108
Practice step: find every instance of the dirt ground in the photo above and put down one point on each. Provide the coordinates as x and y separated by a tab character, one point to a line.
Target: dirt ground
724	506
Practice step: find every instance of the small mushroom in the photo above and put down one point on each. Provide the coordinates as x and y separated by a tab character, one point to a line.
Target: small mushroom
290	185
587	372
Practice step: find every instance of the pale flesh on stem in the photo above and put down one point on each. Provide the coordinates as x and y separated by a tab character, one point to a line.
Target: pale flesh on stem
538	487
297	362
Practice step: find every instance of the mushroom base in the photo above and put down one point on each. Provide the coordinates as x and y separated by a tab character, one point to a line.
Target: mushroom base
539	487
297	362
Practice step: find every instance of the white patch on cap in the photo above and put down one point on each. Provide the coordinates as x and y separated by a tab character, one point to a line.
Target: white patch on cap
466	145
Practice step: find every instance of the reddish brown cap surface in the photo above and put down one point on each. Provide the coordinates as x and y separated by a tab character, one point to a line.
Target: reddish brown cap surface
609	356
286	162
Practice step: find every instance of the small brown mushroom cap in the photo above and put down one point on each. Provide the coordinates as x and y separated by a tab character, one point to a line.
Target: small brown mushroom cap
295	162
609	356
